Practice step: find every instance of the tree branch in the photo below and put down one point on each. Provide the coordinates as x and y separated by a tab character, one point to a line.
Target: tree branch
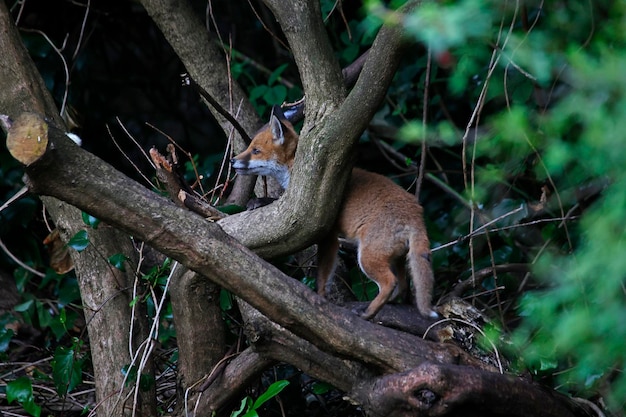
104	296
320	73
308	208
444	390
73	175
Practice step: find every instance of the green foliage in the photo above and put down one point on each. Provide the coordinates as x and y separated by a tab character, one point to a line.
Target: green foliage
79	241
67	366
248	408
89	220
579	319
552	94
364	288
21	390
118	260
268	88
6	333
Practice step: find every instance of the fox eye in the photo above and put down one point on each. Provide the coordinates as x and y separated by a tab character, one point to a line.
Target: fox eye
255	151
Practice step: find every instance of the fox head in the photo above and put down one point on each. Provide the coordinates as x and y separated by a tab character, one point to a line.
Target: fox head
271	151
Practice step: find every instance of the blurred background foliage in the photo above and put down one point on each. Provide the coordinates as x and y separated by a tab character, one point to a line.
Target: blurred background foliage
523	111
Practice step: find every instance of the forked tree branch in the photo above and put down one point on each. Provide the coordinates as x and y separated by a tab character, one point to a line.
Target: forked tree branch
73	175
322	166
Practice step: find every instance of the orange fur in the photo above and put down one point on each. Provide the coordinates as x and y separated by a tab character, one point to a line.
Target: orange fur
383	219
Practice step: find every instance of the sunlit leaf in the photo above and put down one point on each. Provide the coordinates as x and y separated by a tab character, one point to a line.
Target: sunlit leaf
79	241
272	391
118	261
90	220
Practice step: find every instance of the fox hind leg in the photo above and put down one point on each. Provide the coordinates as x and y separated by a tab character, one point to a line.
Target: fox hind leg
377	267
327	250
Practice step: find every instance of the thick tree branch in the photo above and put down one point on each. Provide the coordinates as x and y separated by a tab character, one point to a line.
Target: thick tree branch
444	390
274	341
320	73
104	290
83	180
308	207
201	346
238	374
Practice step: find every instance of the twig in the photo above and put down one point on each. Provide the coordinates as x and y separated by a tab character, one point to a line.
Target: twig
500	229
63	61
420	171
205	95
21	193
82	30
19	262
124	154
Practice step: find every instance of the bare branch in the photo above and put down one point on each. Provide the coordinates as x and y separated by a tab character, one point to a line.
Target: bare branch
69	173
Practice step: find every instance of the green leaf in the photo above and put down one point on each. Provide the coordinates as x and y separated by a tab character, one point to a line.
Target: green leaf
245	405
63	316
276	74
130	372
226	300
5	338
22	307
272	391
79	241
66	370
43	314
20	390
68	291
321	388
258	91
276	94
31	408
89	220
134	301
118	260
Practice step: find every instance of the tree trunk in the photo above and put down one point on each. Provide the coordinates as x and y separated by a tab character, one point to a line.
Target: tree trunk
387	371
105	291
199	328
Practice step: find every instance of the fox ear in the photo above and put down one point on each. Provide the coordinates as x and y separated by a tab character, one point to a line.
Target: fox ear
277	130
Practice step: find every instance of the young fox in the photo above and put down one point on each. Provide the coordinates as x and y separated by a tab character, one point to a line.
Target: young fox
383	219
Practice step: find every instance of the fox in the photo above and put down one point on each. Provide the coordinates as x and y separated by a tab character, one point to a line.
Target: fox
385	221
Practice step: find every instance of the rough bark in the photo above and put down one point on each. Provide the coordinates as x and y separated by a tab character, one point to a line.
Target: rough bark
104	290
323	160
335	336
199	328
241	370
69	173
444	390
106	295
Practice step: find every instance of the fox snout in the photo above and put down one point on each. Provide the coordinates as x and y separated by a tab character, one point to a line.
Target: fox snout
240	164
236	163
